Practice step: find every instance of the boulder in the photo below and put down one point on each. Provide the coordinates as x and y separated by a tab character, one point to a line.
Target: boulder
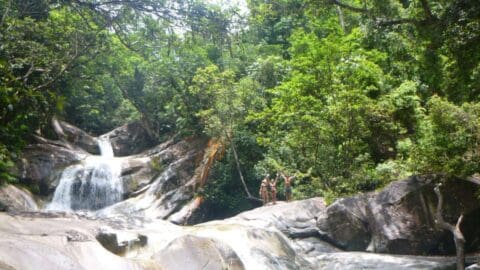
296	220
75	136
344	223
15	199
193	252
130	139
41	164
400	218
256	247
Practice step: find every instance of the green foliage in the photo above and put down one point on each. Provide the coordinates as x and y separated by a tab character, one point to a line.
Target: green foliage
449	139
6	166
348	97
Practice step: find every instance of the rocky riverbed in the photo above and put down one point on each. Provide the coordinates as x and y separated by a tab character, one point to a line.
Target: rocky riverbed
393	228
271	237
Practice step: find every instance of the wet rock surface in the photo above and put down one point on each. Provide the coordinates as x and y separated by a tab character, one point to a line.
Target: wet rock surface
80	241
362	260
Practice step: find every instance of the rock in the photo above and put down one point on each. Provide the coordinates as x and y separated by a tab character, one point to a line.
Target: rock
163	178
110	241
41	163
69	242
80	241
130	139
15	199
400	218
344	223
361	260
296	220
311	247
256	247
193	252
54	243
75	136
473	267
171	184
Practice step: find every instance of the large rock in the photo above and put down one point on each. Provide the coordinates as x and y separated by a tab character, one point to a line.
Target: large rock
164	184
130	139
400	218
42	163
296	220
15	199
193	252
40	242
74	135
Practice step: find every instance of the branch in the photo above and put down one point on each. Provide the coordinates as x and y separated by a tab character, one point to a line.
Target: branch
389	22
255	199
5	13
385	22
455	230
352	8
65	67
154	7
438	215
237	162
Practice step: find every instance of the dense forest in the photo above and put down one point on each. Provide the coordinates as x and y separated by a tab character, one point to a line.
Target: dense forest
348	95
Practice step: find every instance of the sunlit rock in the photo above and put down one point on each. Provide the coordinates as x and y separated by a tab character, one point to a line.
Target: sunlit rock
15	199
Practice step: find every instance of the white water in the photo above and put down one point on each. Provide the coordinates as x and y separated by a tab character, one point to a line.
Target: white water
91	185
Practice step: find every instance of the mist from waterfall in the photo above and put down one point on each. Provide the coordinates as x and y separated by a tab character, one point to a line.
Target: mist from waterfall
91	185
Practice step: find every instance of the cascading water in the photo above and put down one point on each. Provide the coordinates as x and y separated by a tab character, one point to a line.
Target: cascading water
91	185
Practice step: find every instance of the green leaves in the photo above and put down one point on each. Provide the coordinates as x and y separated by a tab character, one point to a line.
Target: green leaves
349	97
449	139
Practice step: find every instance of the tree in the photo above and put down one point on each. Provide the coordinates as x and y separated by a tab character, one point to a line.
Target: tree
223	107
454	229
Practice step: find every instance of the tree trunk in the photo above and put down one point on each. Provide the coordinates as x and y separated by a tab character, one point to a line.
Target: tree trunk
340	18
455	230
237	162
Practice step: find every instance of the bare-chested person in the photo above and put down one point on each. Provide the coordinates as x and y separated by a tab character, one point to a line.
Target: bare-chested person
263	192
273	189
288	186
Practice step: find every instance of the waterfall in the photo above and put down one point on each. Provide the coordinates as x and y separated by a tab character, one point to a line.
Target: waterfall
91	185
105	146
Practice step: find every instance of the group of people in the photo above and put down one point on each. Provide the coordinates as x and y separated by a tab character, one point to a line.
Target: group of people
268	188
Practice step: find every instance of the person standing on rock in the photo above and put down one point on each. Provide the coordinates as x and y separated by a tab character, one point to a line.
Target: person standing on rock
273	189
288	186
263	192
